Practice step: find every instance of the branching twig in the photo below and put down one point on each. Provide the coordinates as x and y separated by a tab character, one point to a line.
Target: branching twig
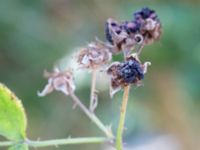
92	116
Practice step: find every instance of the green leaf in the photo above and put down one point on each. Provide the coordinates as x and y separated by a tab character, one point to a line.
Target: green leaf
12	115
19	147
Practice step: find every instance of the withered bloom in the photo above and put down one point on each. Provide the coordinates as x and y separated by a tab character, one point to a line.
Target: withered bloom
122	36
143	30
59	81
94	56
129	72
114	32
149	25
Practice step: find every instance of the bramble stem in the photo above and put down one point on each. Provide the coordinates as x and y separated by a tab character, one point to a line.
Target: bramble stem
7	143
92	116
68	141
119	138
93	90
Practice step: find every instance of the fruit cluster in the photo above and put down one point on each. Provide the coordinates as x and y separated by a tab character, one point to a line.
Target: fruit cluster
145	28
130	71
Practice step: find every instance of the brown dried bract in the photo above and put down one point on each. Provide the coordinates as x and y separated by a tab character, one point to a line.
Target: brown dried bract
94	56
151	31
59	81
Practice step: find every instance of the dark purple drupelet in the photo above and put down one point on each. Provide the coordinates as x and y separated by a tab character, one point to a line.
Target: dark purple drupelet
131	71
145	13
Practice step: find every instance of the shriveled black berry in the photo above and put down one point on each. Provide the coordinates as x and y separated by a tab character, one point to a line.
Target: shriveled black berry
150	27
145	13
131	71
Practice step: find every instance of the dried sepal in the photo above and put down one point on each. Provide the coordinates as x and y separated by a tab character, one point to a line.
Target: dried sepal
145	66
94	56
59	81
112	71
150	26
151	31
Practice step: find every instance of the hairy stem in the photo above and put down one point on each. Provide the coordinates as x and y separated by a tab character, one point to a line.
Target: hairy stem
93	91
92	116
56	142
7	143
119	138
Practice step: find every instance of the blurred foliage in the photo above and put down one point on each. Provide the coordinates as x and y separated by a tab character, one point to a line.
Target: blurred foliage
19	147
35	35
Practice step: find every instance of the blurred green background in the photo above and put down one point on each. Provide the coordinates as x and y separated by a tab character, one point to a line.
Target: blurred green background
35	35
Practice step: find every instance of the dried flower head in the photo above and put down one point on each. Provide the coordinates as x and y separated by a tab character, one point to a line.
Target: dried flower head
95	55
118	35
114	32
149	25
129	72
59	81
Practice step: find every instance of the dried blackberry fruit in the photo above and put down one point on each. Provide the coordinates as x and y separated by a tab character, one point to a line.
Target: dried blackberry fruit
131	71
145	13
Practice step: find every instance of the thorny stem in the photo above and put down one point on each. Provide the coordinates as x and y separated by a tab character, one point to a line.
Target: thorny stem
93	91
119	138
6	143
56	142
92	116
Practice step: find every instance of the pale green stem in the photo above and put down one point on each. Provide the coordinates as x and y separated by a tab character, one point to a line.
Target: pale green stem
119	138
92	116
68	141
7	143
